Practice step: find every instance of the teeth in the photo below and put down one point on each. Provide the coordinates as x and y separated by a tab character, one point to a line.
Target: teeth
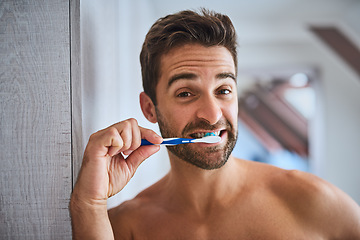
201	135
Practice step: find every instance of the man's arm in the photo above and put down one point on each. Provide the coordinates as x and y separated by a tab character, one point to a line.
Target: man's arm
104	172
342	214
89	221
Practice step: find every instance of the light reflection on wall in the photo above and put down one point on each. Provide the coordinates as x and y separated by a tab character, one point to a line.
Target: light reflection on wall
273	121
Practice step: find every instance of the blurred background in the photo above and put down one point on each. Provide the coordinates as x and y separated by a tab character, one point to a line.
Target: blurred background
299	81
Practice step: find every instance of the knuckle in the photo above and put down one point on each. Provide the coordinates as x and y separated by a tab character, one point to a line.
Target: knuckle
113	132
94	136
133	121
126	124
130	123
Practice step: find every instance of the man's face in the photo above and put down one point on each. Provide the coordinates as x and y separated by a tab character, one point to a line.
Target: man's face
197	94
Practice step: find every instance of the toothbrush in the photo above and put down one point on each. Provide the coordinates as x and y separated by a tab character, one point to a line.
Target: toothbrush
176	141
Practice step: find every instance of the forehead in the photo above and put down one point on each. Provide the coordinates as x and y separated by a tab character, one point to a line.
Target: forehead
194	57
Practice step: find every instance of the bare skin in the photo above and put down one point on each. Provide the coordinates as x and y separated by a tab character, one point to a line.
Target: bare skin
239	200
266	203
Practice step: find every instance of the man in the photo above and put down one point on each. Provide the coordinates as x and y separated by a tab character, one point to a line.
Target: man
189	67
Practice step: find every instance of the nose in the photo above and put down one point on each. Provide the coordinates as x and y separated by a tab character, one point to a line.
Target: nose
209	109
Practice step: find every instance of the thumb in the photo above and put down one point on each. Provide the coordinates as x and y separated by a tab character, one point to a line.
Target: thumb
139	155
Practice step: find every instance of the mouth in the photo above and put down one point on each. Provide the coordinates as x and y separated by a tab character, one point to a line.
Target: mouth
206	134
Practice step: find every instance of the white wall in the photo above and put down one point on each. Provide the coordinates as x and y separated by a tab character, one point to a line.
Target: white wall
112	36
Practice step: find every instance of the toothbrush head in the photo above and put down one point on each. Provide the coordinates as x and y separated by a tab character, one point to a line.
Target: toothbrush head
208	139
209	134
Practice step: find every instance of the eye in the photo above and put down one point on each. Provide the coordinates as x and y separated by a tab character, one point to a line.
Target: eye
224	91
184	94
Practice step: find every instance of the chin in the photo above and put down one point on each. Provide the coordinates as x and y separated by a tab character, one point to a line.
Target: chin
206	158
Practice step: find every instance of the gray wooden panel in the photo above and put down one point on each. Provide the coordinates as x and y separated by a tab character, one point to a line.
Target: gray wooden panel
35	119
76	90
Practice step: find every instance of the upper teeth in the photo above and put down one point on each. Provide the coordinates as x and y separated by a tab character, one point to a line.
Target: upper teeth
201	135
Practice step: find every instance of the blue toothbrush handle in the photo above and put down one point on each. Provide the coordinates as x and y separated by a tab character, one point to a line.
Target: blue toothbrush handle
145	142
169	141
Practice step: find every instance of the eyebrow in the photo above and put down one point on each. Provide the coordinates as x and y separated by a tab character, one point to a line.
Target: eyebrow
192	76
226	75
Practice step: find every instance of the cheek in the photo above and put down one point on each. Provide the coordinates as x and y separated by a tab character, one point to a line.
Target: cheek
231	112
180	117
174	117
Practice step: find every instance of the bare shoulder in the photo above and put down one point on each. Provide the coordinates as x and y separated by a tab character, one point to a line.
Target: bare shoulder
132	215
317	203
123	217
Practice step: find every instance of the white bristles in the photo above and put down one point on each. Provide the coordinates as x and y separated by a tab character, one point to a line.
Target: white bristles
208	139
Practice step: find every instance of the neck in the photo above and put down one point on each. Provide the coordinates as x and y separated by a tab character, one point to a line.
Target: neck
201	189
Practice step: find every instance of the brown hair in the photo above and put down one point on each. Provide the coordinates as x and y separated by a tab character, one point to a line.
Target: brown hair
207	28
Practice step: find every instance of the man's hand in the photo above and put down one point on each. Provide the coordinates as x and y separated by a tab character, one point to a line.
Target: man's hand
105	171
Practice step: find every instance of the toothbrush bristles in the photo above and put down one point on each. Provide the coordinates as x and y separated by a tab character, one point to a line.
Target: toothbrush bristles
210	139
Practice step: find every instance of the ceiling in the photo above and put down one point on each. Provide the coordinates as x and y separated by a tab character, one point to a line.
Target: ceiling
260	21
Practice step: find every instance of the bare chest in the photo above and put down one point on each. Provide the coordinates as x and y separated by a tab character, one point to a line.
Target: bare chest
260	223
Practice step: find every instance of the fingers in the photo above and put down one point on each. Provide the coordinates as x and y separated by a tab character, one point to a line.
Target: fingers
122	137
116	142
105	171
151	136
139	155
134	140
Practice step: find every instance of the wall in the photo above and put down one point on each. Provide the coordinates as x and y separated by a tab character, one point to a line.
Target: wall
35	119
334	131
112	34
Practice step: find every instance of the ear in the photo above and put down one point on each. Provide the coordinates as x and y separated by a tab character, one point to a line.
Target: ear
148	107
